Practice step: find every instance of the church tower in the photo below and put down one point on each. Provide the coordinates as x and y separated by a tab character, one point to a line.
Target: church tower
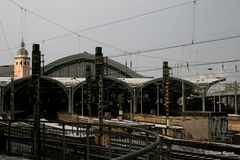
21	63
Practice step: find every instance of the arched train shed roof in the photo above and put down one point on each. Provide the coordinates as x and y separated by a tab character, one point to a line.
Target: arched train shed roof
86	57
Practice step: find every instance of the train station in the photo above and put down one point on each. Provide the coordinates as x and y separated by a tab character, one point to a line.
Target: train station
90	88
64	88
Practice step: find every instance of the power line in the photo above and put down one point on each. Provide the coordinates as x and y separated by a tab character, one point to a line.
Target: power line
193	23
101	25
167	59
120	20
192	65
206	74
176	46
136	16
5	38
64	28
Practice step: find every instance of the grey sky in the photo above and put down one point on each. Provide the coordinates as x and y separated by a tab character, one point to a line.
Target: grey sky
213	19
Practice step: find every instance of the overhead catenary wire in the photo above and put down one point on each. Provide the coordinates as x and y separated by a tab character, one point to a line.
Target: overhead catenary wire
167	59
65	28
230	74
188	65
193	23
183	44
5	38
176	46
101	25
126	53
192	65
117	21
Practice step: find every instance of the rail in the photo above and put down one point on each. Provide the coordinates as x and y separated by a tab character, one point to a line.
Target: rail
83	141
62	140
198	150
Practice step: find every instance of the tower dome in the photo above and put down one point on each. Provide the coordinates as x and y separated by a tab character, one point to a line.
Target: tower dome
22	51
22	63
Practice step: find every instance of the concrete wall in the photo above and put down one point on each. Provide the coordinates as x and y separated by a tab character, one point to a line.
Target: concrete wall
205	126
196	128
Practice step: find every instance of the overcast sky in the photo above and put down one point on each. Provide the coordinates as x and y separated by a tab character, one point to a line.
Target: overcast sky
171	23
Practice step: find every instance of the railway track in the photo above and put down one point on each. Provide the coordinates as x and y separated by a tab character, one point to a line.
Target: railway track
180	155
19	136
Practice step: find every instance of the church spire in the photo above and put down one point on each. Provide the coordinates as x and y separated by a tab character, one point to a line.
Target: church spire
22	51
22	43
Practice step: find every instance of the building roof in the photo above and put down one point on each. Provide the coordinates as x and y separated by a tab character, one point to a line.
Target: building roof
6	71
22	51
205	82
89	58
69	82
135	82
222	93
5	80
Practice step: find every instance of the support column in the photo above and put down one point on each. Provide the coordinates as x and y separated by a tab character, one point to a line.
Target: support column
158	100
219	102
141	102
82	101
100	103
203	100
134	101
214	103
12	100
36	74
70	100
1	100
183	97
131	108
236	97
232	102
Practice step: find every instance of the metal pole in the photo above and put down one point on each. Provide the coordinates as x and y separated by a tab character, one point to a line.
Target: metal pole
36	74
236	97
214	103
88	86
12	100
203	100
166	87
70	100
88	150
158	99
1	100
42	55
219	102
9	137
82	101
44	141
183	97
37	145
100	104
130	140
147	143
130	101
110	142
63	134
134	101
141	102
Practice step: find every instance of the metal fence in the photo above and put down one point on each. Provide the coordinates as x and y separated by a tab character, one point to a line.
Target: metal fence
70	141
84	141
